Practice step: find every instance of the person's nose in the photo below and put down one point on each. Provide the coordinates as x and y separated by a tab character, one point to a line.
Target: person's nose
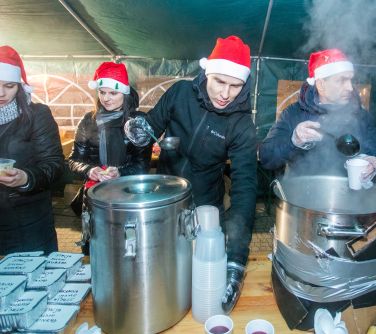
225	92
106	97
349	86
2	91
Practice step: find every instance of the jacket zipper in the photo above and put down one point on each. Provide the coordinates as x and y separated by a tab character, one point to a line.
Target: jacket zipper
192	141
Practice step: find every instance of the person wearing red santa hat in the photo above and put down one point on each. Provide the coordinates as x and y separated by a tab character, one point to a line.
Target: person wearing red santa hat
101	150
328	103
28	135
212	117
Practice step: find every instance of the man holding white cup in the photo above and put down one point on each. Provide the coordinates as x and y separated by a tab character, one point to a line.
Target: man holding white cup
304	137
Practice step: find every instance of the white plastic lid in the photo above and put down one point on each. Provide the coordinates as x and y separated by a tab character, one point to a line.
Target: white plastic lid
208	217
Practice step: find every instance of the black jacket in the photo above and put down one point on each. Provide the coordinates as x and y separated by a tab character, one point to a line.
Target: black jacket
85	151
277	149
208	138
26	222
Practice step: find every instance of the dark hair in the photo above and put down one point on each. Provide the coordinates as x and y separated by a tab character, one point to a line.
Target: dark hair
130	104
23	105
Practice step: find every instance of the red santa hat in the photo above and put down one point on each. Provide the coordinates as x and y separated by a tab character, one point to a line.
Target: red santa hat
111	75
326	63
12	68
230	56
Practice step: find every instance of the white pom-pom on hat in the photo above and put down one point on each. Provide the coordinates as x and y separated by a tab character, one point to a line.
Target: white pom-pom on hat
92	84
203	62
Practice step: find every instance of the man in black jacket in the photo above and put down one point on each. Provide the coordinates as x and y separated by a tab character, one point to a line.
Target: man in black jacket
211	116
327	103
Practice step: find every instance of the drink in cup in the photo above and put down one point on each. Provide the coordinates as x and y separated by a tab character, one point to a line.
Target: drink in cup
259	326
219	324
5	164
355	168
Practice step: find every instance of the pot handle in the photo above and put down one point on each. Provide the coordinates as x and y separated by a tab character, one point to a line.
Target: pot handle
130	240
330	231
188	223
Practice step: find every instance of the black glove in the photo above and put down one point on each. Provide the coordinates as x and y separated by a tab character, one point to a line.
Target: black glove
235	281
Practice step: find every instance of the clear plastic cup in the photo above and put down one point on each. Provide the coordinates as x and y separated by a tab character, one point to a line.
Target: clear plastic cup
259	326
6	164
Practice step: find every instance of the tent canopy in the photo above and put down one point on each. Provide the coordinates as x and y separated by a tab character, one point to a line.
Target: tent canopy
175	29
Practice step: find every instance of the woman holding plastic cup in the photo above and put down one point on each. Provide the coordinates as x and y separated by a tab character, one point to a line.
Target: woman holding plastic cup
101	150
29	136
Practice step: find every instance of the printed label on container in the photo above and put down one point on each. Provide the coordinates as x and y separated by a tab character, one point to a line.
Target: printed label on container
71	294
21	265
25	303
9	283
62	260
48	277
82	275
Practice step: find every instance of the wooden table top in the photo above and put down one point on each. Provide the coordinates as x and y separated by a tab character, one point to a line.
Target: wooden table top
256	301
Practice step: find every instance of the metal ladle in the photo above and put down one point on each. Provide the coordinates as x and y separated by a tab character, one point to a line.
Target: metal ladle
168	143
347	144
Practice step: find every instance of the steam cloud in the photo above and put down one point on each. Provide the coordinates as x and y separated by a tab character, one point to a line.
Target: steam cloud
349	25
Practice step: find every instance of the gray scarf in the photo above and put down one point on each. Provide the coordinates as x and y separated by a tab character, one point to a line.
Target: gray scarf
103	118
9	112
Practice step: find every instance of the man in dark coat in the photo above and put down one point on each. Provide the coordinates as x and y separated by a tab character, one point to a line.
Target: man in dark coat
211	116
327	103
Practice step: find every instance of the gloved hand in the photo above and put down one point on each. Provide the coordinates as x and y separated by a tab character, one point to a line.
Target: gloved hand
101	174
305	134
371	168
235	281
138	131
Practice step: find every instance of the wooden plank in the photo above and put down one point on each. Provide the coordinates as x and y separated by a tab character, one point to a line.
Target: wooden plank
257	301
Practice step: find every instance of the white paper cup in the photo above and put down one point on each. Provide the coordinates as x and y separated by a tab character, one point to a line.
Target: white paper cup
259	326
355	168
5	164
219	324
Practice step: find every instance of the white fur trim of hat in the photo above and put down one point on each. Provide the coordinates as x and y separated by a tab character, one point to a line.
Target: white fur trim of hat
109	83
330	69
224	66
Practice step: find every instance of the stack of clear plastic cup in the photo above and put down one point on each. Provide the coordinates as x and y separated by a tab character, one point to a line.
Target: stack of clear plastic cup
208	266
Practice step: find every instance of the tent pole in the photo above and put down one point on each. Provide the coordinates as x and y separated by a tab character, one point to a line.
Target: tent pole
266	24
87	28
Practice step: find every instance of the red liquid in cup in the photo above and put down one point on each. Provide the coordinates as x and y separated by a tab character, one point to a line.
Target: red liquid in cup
219	330
259	332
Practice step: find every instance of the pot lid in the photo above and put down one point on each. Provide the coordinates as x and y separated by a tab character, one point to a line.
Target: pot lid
139	191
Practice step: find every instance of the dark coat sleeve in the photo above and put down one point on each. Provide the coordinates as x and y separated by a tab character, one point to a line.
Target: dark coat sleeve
242	154
277	149
79	160
48	157
369	134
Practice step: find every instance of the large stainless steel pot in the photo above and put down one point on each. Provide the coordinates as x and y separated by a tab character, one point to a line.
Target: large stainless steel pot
322	211
140	253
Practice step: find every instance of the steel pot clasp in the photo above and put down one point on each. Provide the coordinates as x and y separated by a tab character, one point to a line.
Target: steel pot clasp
326	229
188	223
130	240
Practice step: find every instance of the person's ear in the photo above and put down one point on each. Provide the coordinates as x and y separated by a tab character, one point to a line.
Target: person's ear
320	86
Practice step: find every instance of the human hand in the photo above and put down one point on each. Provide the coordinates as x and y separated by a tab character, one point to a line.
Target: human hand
13	178
306	132
138	131
369	173
102	174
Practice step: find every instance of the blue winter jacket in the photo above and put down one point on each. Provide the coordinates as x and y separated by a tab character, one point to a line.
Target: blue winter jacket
277	149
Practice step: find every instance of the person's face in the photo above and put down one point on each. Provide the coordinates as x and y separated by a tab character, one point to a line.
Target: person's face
336	89
222	89
110	99
8	91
